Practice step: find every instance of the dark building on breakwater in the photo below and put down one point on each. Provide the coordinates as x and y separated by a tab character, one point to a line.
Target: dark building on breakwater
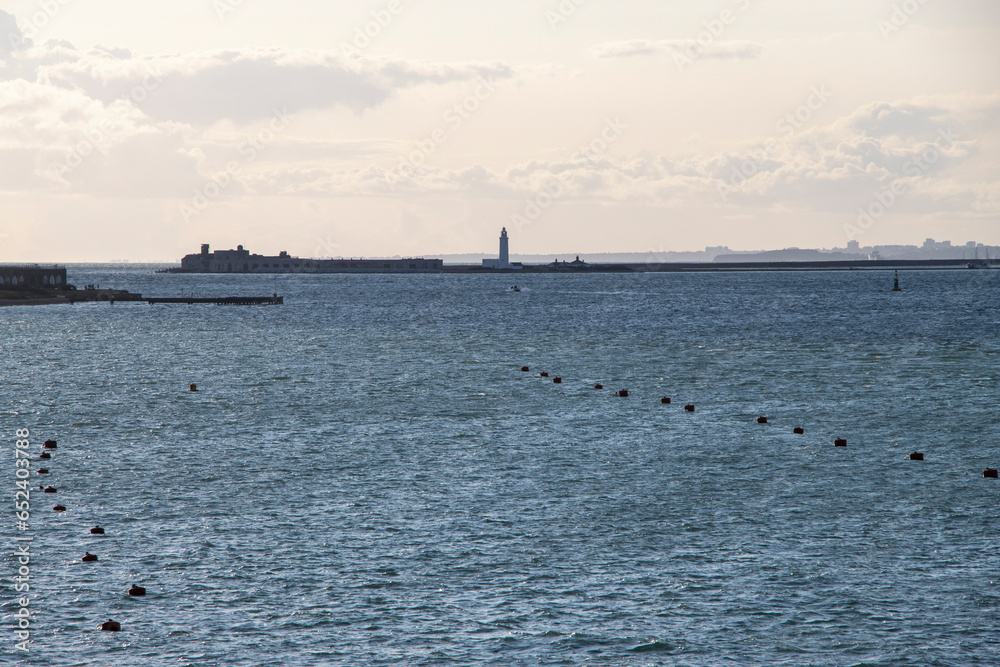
242	261
32	276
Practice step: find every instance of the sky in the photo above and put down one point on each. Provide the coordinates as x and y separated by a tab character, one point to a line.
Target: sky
139	130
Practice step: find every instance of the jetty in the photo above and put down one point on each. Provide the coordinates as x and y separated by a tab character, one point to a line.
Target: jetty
221	301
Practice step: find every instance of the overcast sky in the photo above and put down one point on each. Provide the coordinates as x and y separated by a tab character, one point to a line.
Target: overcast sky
138	130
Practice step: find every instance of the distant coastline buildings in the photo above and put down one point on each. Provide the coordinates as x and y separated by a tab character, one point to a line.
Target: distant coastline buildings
242	261
32	276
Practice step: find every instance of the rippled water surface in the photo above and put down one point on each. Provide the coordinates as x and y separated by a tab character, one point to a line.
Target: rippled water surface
365	476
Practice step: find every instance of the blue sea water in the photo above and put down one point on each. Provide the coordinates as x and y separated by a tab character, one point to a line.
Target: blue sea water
366	477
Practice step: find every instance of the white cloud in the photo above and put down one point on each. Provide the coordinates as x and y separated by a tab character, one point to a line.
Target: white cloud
830	168
737	49
245	85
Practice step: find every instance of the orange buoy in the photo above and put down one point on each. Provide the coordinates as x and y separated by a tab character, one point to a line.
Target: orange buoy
665	400
96	530
761	420
990	472
136	590
798	430
543	374
59	508
623	393
525	369
50	444
89	557
111	626
689	408
193	387
840	442
557	380
598	386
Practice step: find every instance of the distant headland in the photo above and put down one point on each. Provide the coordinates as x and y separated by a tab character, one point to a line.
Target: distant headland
932	254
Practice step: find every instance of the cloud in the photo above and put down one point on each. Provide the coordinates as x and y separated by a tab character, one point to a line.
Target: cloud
11	36
202	88
737	49
109	122
928	146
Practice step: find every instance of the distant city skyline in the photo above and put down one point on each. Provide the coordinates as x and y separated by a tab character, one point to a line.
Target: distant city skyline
387	128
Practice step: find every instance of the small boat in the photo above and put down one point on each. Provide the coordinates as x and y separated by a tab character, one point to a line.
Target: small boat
515	288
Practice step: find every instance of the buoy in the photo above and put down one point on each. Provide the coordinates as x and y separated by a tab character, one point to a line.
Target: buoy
59	508
917	456
623	393
761	420
798	430
193	387
557	380
111	626
96	530
689	408
525	369
598	386
543	374
665	400
43	471
990	472
45	455
840	442
136	590
895	283
50	489
50	444
89	557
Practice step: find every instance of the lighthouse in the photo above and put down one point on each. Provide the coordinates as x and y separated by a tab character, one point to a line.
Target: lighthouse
503	262
504	257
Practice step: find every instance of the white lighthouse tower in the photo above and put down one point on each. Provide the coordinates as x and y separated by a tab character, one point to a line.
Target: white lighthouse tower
504	257
504	260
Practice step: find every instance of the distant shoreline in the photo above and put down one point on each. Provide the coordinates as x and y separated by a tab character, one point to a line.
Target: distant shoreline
665	267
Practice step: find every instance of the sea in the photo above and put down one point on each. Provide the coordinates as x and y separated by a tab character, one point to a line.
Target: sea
365	475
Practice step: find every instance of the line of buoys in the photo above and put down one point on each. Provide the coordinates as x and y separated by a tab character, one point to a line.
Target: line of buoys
135	590
991	473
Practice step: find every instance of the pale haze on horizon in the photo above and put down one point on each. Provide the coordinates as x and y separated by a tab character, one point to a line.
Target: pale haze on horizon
141	130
